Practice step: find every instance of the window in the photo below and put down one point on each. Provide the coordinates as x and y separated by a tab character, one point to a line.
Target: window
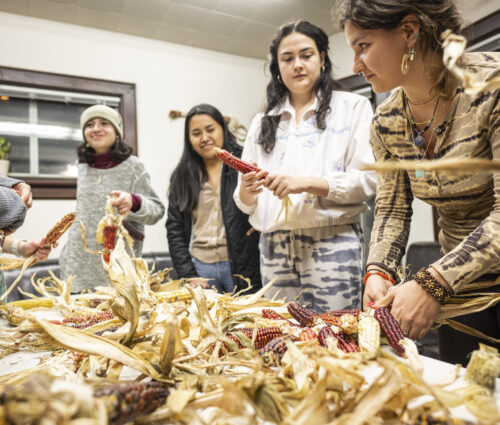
40	117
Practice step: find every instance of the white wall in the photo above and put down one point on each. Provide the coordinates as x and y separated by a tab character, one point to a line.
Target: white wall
167	76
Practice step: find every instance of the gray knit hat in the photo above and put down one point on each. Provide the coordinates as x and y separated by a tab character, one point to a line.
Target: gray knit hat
12	209
105	112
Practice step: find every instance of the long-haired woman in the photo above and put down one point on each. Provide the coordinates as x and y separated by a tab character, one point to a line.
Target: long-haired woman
312	138
397	44
208	236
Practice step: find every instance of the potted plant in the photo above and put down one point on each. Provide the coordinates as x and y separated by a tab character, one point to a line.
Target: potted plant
4	154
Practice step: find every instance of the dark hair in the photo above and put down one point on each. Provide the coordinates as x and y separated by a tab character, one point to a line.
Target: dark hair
277	92
434	17
190	174
120	151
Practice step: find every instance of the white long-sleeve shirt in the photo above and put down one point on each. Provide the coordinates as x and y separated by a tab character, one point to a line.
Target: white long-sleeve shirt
303	150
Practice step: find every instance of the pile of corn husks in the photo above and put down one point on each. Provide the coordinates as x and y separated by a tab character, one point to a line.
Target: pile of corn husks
146	327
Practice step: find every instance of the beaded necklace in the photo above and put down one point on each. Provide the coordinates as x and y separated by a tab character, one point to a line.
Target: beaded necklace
419	138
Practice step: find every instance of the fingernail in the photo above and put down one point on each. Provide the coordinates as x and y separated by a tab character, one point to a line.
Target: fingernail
370	303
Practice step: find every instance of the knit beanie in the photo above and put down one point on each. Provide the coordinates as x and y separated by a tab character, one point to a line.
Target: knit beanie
103	112
12	209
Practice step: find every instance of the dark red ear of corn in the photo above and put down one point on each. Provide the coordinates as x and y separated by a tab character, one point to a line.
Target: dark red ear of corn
324	333
109	233
276	346
235	162
58	230
391	329
126	402
330	320
347	343
301	314
263	335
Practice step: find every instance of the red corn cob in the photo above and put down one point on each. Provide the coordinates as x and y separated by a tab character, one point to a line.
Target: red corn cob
109	240
302	315
308	334
268	313
82	322
235	162
60	227
126	402
276	346
330	320
324	333
391	329
263	335
346	343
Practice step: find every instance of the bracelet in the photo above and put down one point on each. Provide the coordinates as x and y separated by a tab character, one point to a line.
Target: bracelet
14	247
383	275
432	286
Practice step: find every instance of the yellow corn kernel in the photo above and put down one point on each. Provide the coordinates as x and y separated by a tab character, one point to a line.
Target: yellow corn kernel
349	324
368	334
173	296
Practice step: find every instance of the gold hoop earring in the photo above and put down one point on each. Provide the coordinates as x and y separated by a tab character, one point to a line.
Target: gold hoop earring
279	79
408	57
87	145
323	68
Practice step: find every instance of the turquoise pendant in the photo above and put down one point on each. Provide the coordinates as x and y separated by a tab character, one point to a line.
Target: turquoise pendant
419	140
419	174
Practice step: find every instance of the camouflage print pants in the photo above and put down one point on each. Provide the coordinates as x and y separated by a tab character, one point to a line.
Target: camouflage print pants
325	261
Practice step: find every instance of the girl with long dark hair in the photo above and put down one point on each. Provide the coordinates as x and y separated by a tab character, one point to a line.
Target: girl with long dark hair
208	236
397	45
106	167
312	138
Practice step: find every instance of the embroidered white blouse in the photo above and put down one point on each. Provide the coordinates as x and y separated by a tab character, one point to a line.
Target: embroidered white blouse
335	153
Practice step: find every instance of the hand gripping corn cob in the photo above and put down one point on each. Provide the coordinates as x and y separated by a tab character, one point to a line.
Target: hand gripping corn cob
368	334
126	402
391	329
245	167
301	314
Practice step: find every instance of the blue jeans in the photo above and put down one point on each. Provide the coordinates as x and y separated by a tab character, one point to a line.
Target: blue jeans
219	274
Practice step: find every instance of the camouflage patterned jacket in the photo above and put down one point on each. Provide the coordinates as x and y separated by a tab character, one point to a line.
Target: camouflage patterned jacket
468	205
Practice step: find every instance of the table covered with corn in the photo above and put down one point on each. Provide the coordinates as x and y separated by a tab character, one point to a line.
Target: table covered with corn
147	349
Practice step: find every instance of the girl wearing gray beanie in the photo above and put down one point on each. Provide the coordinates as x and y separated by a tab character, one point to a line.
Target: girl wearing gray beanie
106	167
